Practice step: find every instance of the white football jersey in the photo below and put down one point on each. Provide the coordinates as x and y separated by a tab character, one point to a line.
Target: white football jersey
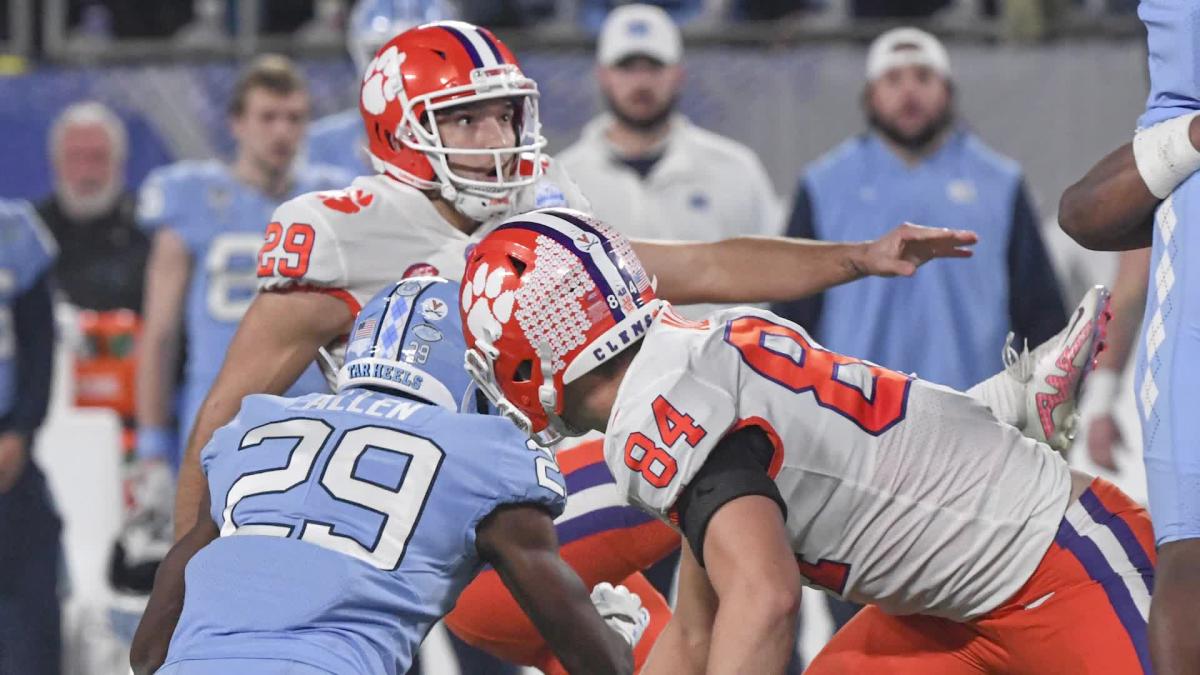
353	242
900	493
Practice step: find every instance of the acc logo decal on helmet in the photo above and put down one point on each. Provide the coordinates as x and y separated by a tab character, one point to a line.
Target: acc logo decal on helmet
586	240
434	309
548	194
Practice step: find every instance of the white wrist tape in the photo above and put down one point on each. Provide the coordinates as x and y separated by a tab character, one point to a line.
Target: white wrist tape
1100	390
1165	156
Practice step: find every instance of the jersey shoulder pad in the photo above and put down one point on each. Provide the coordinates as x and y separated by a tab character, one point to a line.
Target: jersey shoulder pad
255	410
556	188
512	470
528	472
25	241
674	405
303	244
170	192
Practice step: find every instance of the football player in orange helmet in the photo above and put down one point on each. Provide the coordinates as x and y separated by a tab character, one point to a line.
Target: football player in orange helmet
453	130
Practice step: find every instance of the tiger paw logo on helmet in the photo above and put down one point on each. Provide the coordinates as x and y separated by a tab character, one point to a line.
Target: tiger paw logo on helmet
382	82
487	307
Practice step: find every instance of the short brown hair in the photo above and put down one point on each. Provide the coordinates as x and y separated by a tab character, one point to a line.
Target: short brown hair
274	72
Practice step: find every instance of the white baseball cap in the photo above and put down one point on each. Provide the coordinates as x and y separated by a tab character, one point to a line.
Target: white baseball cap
639	30
906	47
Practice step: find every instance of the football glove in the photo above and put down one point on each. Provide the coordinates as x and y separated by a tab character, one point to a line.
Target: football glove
622	610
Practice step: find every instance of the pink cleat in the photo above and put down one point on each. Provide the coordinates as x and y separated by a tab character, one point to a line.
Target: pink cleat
1054	372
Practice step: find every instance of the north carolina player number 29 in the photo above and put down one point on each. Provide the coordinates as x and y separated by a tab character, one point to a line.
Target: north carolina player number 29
400	507
871	396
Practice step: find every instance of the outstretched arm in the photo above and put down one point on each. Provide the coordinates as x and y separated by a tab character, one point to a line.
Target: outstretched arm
278	337
153	636
778	269
1111	208
519	541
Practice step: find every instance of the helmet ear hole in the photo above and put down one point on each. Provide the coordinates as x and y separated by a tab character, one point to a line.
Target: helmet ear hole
524	371
482	405
518	265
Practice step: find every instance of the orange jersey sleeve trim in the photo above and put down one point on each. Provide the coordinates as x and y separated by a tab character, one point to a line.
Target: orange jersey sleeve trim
772	435
339	293
772	468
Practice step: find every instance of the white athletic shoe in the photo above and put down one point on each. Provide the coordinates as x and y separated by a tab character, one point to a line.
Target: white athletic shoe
1054	372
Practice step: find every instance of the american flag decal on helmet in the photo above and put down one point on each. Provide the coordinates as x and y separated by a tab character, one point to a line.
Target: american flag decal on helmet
366	329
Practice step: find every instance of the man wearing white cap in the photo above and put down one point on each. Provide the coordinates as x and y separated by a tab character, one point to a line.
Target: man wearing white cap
645	168
915	163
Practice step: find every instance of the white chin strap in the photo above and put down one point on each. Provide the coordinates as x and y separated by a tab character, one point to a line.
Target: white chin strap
478	207
548	396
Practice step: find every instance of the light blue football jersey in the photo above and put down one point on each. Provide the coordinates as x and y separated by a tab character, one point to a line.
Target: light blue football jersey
1169	349
1167	363
339	140
348	526
1174	55
27	250
221	220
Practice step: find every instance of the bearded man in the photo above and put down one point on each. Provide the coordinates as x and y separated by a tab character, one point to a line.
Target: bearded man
917	163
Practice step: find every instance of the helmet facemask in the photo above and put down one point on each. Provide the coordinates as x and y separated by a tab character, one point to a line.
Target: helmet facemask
480	363
479	199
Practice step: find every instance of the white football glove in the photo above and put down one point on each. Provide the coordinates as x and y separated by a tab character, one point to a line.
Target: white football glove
146	533
622	610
